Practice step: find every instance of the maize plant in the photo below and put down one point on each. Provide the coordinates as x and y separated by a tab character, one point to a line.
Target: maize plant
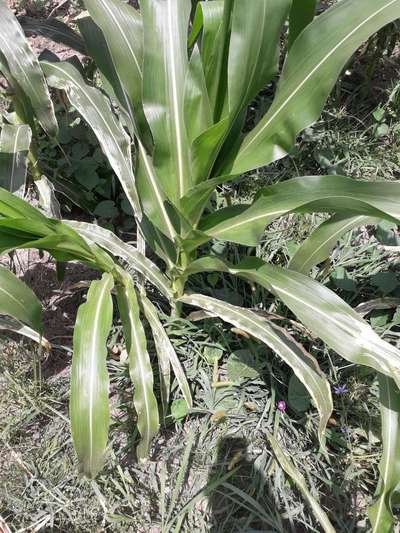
175	80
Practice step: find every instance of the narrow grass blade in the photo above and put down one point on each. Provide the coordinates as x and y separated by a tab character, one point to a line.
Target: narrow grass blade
89	404
300	482
25	70
14	147
165	348
381	513
18	301
140	368
302	363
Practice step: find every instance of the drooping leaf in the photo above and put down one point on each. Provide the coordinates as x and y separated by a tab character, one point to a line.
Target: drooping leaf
325	314
140	369
14	147
303	364
285	462
10	324
25	70
310	72
18	301
55	30
301	14
89	404
381	513
165	66
163	344
306	194
321	242
13	207
95	109
136	260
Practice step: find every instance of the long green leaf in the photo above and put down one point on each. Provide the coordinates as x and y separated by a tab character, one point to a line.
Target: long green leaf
381	513
89	404
18	301
14	146
13	207
10	324
140	369
56	30
164	72
254	46
24	68
122	28
303	364
321	242
198	113
325	314
310	72
300	482
136	260
95	109
164	345
301	14
306	194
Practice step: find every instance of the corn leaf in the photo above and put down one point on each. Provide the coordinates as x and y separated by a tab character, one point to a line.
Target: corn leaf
89	404
381	513
303	364
95	109
254	47
14	147
136	260
140	368
301	14
321	242
55	30
308	76
18	301
165	68
10	324
164	346
25	70
306	194
325	314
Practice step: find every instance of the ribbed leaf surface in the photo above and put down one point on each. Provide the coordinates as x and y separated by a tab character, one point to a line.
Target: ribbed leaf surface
303	365
89	405
140	368
25	70
14	146
18	301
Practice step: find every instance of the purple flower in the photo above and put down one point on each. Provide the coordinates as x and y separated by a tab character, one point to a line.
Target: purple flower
340	389
345	429
281	406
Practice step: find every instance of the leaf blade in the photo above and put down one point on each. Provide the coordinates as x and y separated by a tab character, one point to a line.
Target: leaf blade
89	407
140	369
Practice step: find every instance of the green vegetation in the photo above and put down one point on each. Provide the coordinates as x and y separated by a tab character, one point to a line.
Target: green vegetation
188	138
